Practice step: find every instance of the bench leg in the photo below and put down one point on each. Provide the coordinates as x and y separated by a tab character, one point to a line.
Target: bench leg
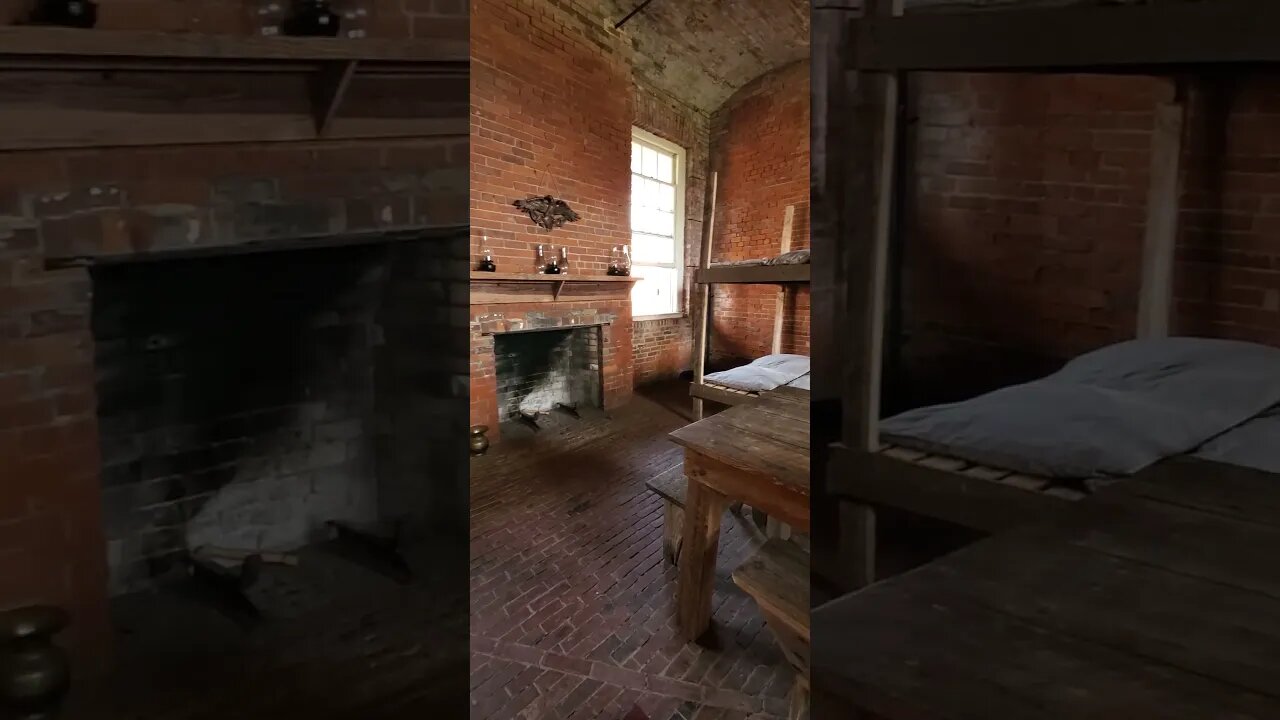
672	529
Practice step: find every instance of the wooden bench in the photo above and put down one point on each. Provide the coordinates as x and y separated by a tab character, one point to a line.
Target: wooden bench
671	487
777	578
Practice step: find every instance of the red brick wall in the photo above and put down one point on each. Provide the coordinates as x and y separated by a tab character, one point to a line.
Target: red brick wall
90	202
1026	214
663	348
550	114
760	147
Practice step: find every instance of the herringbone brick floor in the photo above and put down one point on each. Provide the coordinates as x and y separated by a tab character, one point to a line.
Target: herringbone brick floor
572	612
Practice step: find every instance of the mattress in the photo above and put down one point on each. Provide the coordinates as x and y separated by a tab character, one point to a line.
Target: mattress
1111	412
801	382
1255	444
766	373
795	257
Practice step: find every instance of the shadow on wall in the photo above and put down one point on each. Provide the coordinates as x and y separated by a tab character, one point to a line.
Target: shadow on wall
1210	112
1024	226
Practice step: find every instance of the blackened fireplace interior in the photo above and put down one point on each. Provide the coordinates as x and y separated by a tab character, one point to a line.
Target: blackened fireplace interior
248	401
541	370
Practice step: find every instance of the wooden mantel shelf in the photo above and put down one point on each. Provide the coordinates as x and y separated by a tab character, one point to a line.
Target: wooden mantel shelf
489	288
53	46
113	88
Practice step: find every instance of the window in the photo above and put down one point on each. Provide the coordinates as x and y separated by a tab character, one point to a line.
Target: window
657	225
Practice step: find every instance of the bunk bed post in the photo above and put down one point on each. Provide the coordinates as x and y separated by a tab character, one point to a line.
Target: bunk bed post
868	204
787	220
702	323
1155	304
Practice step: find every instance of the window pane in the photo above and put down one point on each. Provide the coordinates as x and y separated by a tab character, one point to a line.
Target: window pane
635	157
666	198
664	224
665	168
650	158
655	294
652	248
648	198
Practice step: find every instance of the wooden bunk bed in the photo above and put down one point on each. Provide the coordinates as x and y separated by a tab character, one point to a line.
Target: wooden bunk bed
762	273
860	57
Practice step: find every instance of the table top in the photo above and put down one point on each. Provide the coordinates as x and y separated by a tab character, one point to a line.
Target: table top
1157	598
768	436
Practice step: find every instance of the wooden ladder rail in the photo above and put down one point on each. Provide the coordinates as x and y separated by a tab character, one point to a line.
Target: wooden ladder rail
702	326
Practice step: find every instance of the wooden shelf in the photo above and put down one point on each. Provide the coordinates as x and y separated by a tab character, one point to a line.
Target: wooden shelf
1155	38
477	275
66	88
500	288
754	274
54	45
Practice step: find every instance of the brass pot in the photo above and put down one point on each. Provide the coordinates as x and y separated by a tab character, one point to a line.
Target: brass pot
34	673
479	443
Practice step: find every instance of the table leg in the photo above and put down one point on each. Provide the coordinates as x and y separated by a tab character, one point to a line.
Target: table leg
703	509
858	543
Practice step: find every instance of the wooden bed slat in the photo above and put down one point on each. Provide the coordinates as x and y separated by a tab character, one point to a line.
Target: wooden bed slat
902	453
719	393
942	462
1026	482
1066	493
878	479
982	472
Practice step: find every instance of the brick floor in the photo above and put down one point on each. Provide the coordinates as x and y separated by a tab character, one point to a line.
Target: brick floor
337	642
572	612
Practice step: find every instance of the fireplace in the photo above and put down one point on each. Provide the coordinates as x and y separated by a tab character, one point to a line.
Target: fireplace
540	371
542	340
250	401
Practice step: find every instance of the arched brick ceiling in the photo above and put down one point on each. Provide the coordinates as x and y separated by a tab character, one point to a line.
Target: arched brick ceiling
702	51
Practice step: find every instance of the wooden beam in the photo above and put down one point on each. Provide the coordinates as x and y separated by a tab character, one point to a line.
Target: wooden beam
868	203
826	292
329	85
702	322
1118	38
788	218
1155	303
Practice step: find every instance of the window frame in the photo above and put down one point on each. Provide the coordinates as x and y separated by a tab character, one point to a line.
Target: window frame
681	177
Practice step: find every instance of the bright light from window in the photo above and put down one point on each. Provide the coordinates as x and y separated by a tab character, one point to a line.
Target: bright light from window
656	220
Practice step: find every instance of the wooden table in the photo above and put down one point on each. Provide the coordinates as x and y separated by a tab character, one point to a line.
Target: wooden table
1159	598
756	453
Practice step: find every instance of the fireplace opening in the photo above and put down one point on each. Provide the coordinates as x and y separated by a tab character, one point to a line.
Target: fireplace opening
260	403
546	370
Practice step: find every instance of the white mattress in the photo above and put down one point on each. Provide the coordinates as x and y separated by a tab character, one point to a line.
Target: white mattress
766	373
1255	444
795	257
1111	412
